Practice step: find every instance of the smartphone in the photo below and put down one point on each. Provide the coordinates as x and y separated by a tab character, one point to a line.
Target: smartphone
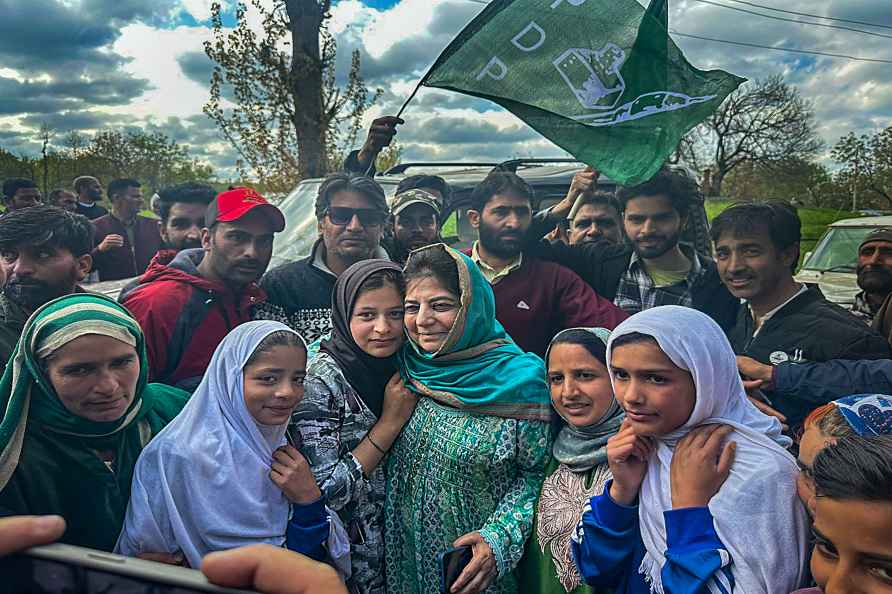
66	569
452	563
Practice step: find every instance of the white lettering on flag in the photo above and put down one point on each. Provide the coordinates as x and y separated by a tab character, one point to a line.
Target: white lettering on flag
495	62
516	40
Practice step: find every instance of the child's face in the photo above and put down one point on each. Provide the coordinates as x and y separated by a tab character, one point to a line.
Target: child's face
658	396
853	552
274	384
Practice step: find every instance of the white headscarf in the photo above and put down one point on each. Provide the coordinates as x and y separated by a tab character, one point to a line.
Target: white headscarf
202	484
757	514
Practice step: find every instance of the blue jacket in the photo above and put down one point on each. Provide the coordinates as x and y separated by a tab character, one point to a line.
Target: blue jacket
820	383
308	530
608	550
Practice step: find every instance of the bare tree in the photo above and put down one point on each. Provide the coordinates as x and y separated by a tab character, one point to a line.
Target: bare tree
763	123
275	97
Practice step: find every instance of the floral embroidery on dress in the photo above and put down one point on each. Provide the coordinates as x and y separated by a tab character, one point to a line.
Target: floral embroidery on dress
563	498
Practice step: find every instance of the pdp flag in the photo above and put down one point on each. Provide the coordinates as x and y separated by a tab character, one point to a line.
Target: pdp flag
599	78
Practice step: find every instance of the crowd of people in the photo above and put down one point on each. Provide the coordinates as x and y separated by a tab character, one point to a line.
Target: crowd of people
586	402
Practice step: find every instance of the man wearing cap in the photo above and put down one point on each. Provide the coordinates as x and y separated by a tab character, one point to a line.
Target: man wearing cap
872	304
415	222
351	211
125	240
186	307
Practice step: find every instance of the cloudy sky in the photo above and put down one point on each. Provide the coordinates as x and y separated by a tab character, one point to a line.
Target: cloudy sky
88	65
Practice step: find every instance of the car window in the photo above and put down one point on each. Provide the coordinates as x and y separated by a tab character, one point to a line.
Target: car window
838	249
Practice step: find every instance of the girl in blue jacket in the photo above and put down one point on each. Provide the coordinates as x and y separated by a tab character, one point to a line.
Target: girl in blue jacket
703	497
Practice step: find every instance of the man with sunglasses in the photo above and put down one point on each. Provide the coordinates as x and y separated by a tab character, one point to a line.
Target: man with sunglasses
351	211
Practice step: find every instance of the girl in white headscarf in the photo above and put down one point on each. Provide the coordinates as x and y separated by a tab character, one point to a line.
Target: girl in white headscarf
703	497
221	475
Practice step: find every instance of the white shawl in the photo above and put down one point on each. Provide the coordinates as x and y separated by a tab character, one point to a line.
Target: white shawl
757	514
202	484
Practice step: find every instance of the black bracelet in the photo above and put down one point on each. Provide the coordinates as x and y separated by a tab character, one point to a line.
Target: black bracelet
368	436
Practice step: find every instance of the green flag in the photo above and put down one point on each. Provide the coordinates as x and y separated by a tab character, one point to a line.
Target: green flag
599	78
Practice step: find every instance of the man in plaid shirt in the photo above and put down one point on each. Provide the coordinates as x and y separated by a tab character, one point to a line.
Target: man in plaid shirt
652	267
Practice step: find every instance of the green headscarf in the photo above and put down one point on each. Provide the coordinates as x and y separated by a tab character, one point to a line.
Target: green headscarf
26	394
478	368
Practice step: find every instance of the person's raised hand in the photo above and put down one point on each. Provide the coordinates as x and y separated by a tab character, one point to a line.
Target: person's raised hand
399	402
627	456
271	570
381	133
700	465
292	474
584	181
481	571
110	242
18	533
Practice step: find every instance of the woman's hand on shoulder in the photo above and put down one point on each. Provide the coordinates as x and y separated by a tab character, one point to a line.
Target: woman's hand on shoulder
292	474
399	403
700	465
481	571
627	456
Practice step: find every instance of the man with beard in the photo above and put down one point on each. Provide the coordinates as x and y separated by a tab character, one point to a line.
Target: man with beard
19	193
44	254
126	241
182	209
89	192
534	299
351	211
415	222
653	268
186	307
757	251
872	304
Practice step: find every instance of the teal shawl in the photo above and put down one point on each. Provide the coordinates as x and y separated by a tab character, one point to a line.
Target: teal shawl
27	395
479	368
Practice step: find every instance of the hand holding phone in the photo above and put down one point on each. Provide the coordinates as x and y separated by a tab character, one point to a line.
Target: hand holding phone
452	563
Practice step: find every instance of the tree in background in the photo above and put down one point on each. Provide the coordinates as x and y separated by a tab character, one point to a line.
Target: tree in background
151	157
866	167
275	96
801	182
765	123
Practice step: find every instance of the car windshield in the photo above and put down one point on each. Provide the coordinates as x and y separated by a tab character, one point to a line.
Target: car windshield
838	250
297	239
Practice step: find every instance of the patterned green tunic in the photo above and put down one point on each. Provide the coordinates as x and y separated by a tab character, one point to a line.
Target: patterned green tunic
451	473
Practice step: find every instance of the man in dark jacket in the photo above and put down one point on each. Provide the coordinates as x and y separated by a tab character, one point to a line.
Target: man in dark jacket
186	307
125	240
350	212
44	254
535	299
653	268
757	250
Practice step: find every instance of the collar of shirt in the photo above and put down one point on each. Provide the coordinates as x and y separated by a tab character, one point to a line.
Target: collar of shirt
696	267
491	274
760	322
319	257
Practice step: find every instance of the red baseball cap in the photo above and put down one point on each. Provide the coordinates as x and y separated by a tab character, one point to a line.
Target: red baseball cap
233	204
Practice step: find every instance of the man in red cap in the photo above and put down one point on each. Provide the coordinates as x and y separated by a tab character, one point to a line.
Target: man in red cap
186	307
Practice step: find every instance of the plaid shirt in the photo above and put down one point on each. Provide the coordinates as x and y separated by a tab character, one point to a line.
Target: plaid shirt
637	292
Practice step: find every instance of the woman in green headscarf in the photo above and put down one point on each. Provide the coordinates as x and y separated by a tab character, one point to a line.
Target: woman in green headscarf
468	466
77	411
588	415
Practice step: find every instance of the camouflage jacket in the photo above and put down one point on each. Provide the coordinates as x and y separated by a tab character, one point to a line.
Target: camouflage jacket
330	422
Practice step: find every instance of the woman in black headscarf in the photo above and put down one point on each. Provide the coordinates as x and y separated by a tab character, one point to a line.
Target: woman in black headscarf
355	406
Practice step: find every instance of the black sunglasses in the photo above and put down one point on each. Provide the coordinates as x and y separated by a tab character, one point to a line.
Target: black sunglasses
368	217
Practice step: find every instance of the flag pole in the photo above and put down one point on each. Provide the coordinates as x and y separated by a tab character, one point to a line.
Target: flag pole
412	96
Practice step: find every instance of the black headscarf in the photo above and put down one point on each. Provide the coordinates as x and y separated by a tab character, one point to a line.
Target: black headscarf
367	375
